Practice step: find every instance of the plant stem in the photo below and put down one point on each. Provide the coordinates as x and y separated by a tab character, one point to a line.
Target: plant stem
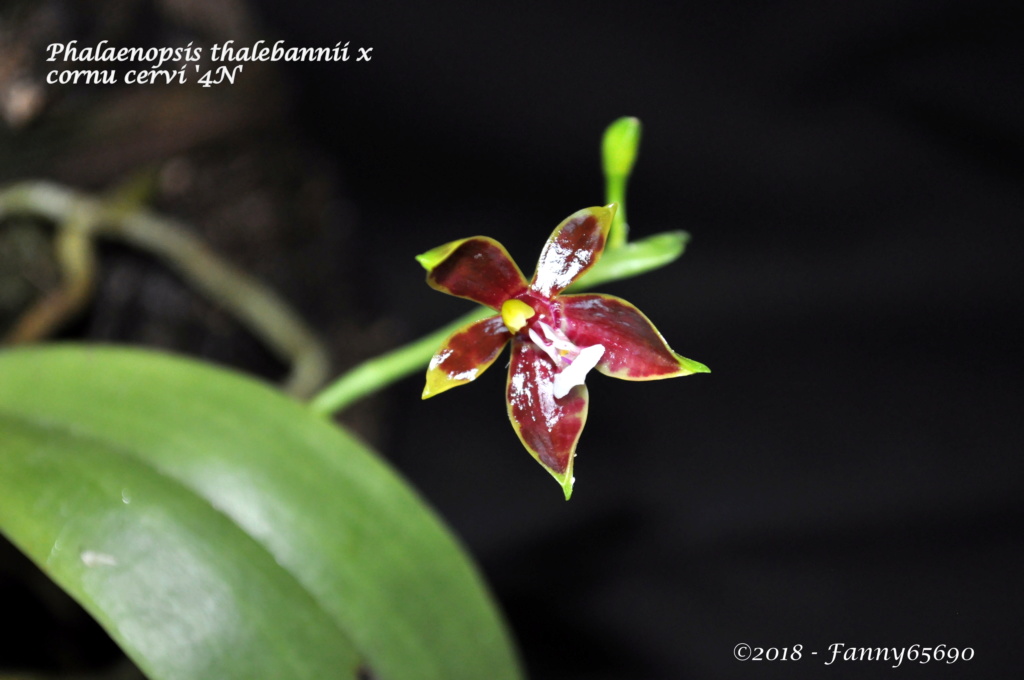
81	218
619	147
615	192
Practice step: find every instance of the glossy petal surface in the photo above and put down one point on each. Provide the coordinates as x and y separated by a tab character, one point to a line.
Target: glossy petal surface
548	427
574	247
465	355
476	268
634	349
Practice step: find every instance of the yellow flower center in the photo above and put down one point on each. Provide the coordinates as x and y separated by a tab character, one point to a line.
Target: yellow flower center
515	313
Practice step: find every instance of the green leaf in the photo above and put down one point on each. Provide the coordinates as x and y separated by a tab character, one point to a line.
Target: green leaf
218	529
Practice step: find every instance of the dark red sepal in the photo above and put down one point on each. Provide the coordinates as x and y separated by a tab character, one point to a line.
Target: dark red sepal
465	355
548	427
634	349
477	268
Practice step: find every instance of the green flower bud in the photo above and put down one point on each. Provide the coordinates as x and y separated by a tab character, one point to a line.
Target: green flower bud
619	146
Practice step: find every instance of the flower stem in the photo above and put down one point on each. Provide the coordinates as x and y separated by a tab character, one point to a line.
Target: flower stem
619	148
615	192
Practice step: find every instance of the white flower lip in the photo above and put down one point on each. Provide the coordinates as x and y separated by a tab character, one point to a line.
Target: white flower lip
572	363
576	372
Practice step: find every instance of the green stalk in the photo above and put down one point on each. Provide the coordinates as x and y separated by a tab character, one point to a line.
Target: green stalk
615	192
618	155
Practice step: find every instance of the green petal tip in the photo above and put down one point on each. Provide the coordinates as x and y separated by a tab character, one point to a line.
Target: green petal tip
436	256
565	480
693	366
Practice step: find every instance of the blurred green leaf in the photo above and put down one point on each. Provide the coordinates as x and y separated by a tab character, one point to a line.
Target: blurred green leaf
218	529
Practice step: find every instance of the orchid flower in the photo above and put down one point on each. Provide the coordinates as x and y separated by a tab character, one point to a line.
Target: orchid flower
556	339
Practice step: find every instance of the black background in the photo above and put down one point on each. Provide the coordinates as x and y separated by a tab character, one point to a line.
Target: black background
851	175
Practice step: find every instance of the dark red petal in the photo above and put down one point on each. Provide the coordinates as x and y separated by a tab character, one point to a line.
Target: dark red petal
634	349
466	354
477	268
574	247
548	427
